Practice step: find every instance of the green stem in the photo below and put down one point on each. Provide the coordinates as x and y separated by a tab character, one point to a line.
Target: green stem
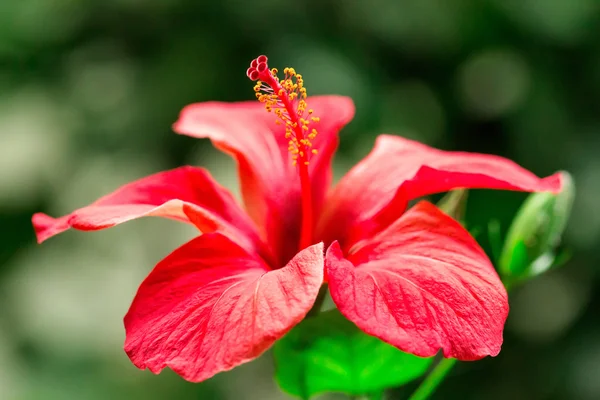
433	380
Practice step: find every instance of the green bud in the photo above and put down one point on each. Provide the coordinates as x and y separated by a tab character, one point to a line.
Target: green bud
535	233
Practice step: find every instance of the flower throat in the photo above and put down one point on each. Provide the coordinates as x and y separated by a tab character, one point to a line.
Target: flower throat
287	99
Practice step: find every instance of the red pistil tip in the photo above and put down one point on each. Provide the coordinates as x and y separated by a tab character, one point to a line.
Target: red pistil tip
252	73
262	67
258	68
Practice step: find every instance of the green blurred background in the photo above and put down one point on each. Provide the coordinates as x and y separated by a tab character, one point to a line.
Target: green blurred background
88	92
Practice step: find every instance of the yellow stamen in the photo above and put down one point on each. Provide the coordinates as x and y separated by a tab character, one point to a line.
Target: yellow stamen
282	96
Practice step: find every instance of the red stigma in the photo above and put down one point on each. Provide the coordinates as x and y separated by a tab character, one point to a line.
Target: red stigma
258	67
262	67
252	74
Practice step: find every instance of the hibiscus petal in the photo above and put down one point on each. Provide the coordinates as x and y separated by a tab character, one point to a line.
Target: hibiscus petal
210	306
269	182
422	285
376	191
186	194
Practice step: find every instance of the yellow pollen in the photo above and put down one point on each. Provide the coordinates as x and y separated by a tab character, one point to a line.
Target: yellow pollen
286	98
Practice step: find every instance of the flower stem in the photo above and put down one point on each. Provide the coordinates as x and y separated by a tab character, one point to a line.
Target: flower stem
433	380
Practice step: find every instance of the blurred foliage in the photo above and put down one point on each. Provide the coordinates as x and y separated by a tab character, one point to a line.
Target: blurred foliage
89	89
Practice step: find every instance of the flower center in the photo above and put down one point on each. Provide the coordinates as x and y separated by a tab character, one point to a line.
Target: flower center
287	99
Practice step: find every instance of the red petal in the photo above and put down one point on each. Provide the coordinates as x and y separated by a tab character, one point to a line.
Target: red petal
210	306
422	285
376	191
269	182
186	194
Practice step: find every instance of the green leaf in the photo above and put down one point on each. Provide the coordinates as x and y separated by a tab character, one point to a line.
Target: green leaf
328	353
536	232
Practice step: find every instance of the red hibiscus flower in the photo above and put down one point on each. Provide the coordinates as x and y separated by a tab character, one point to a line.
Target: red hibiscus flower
415	279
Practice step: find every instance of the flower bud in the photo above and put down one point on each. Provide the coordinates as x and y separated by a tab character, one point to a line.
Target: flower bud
535	233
